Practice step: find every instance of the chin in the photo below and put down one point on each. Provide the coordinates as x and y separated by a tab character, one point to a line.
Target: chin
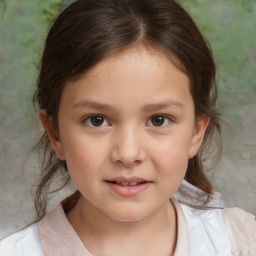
126	215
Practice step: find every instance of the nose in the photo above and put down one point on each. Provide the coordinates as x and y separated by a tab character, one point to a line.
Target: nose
127	147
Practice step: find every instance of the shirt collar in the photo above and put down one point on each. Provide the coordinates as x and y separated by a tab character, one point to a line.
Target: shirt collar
58	238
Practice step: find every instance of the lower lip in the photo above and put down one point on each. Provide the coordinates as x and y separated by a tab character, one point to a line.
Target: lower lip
128	191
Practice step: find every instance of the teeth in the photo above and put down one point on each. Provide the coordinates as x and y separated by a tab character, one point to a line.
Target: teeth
125	183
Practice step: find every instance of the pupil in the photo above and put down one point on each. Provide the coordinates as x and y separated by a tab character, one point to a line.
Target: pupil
97	120
158	120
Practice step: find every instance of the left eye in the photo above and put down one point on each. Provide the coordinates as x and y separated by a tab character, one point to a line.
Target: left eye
159	121
96	121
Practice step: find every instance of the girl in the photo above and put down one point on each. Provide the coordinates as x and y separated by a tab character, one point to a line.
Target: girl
126	96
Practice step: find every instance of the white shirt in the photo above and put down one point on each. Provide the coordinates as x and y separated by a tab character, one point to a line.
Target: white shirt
22	243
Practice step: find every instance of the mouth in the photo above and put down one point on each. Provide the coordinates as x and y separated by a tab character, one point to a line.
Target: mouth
133	181
128	187
126	183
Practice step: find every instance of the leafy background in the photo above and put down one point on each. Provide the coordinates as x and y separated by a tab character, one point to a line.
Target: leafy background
230	27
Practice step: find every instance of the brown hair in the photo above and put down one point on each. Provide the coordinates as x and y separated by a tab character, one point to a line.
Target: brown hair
88	31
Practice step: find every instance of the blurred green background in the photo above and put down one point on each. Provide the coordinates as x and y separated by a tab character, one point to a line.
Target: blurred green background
229	26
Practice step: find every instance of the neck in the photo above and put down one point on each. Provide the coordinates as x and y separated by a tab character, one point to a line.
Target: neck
100	232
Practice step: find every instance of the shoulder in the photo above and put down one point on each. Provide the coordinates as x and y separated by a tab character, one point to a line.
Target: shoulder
23	243
241	227
206	231
212	216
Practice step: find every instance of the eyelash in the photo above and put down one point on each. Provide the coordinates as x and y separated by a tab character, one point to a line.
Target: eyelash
88	120
165	118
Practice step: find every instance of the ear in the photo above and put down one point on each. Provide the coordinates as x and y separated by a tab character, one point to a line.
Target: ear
54	138
198	135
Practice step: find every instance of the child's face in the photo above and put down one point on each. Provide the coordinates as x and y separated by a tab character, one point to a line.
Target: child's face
130	119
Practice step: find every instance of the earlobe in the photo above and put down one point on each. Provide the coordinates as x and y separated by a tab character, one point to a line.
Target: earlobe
54	138
198	135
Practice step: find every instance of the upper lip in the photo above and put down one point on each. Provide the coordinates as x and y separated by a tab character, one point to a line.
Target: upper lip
126	179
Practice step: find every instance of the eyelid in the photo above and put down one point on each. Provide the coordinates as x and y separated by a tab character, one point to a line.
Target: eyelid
86	118
170	120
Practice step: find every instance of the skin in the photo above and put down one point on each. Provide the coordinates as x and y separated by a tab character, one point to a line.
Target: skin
127	90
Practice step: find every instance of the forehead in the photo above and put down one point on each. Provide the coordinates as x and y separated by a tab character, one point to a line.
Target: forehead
147	58
136	74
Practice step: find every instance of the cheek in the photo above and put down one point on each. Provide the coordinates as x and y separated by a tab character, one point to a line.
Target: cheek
84	167
171	161
172	165
173	149
82	155
172	175
78	146
84	161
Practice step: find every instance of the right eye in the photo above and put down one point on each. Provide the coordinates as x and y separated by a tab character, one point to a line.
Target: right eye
96	121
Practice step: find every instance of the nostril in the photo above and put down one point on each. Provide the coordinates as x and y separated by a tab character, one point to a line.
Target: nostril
128	162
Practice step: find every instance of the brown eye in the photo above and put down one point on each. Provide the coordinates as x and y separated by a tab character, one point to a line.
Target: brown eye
159	120
96	121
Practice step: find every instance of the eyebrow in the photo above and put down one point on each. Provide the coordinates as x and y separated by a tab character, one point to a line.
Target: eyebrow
93	105
147	108
162	105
